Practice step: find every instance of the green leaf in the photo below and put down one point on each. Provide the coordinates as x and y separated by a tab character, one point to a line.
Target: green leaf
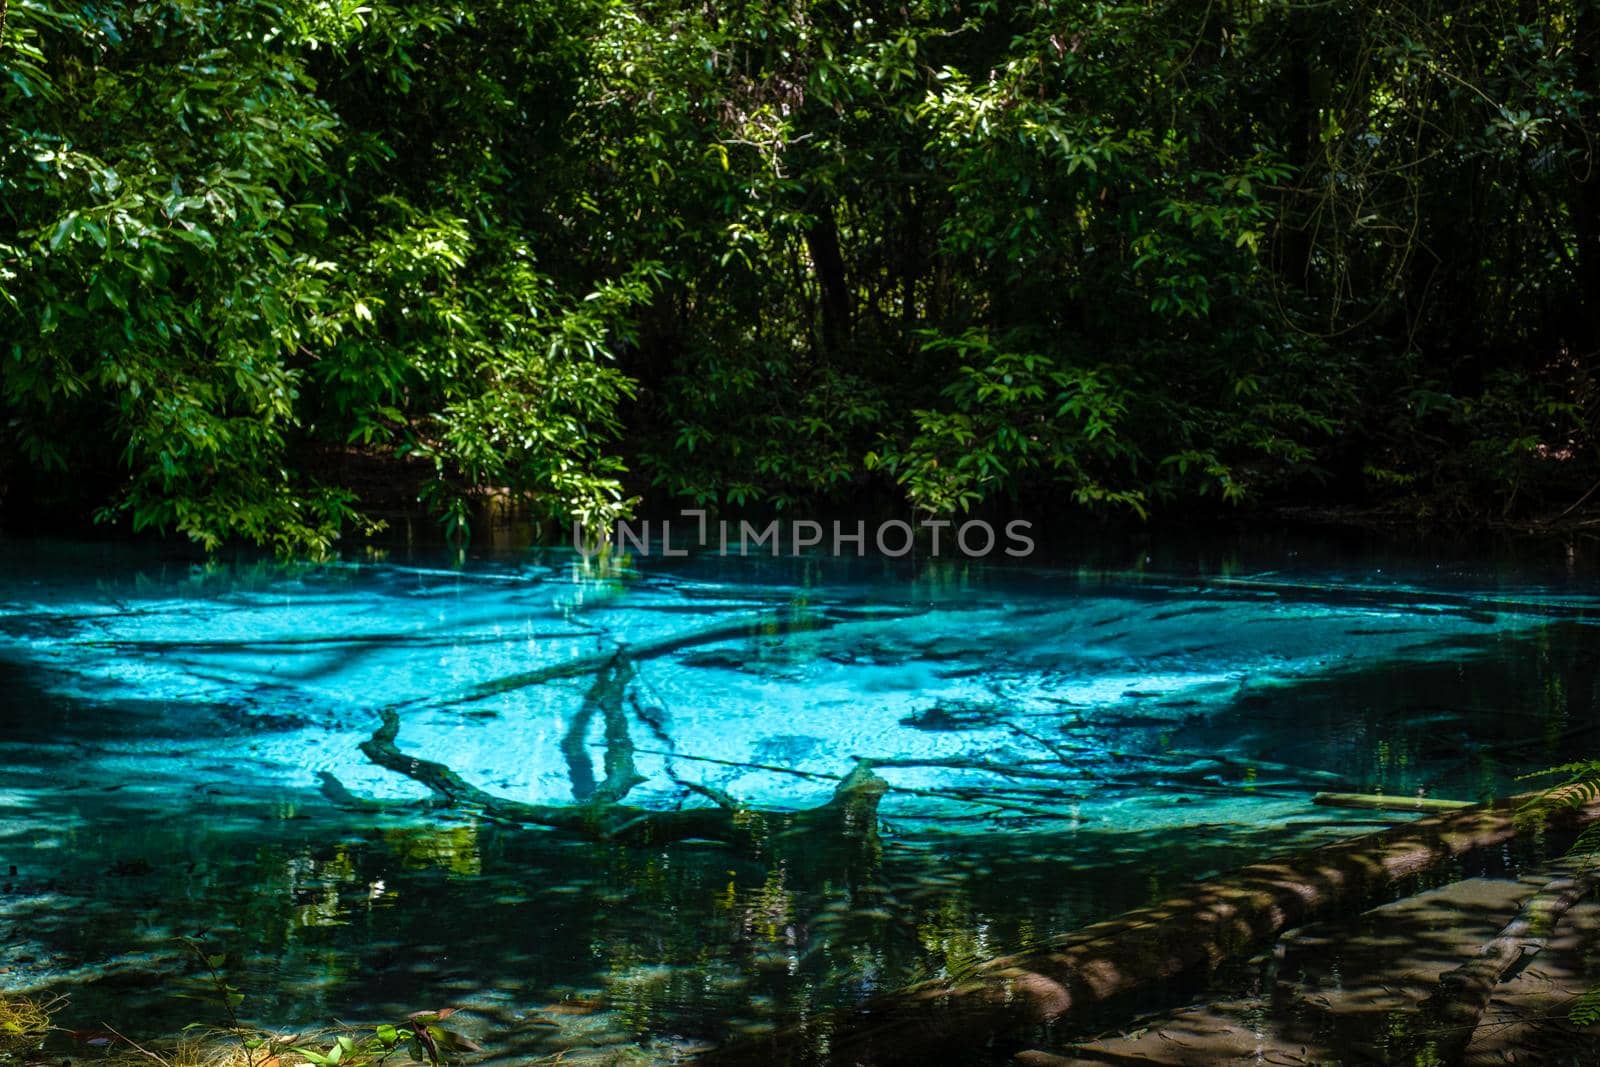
64	229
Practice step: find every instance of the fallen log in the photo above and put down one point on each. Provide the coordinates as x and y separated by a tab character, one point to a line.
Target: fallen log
1447	1020
939	1021
1380	802
852	811
1257	766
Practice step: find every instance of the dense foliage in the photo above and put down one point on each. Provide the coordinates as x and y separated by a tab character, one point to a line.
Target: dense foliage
263	263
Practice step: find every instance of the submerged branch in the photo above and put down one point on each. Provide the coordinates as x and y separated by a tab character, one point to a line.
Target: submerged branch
341	797
850	812
587	665
976	795
770	768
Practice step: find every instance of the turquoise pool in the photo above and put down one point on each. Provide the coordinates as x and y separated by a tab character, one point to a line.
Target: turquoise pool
187	754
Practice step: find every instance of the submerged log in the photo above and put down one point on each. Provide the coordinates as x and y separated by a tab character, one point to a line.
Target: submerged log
852	811
1256	766
1380	802
933	1022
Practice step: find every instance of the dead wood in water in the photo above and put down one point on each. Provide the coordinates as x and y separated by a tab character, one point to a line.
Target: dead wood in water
600	812
585	666
1379	802
852	811
934	1021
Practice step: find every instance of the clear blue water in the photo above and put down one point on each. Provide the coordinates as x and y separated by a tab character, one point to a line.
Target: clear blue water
182	753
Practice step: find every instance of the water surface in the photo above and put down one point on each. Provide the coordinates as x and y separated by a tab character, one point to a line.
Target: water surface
183	758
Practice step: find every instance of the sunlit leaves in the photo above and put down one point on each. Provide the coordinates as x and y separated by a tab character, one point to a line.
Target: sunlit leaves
781	254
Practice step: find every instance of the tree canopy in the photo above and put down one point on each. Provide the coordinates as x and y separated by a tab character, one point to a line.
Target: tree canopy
951	254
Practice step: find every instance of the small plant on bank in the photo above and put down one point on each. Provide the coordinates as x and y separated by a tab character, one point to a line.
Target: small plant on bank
421	1037
24	1022
1580	785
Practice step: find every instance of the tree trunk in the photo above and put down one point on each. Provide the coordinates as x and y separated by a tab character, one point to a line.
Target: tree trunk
1586	186
822	241
1303	129
1451	1015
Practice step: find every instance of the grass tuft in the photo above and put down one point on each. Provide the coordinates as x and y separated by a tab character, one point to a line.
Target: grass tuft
24	1022
203	1050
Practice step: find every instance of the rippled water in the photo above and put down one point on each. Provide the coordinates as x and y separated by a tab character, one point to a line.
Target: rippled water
183	754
